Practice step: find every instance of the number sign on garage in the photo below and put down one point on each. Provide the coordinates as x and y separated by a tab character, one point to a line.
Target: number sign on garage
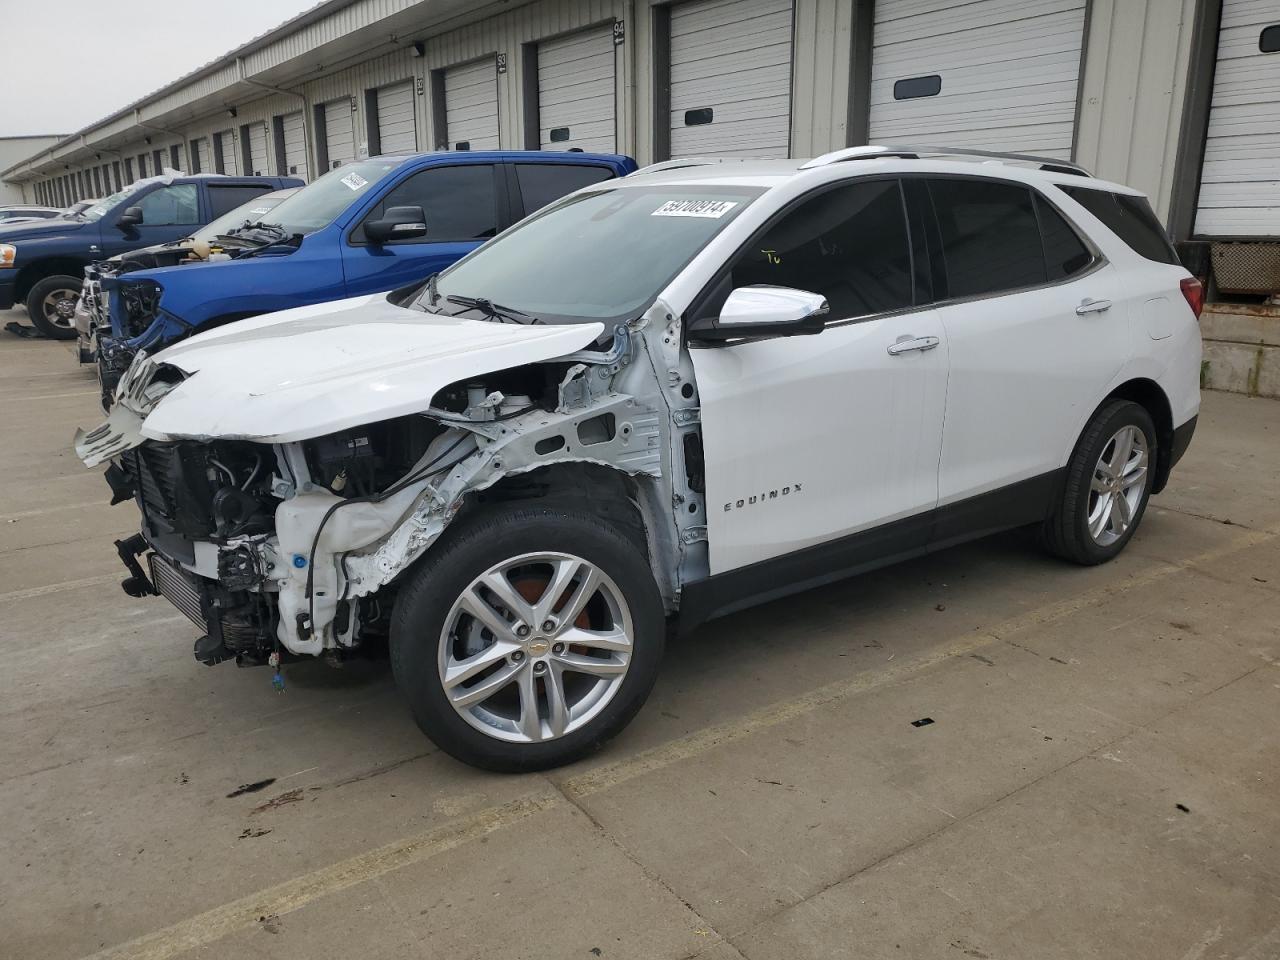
1240	179
731	78
469	93
576	92
990	74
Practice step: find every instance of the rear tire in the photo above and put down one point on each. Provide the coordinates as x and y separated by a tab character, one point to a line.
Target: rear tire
1108	484
548	692
51	306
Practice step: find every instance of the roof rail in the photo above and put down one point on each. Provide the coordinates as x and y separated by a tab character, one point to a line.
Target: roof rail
876	152
679	164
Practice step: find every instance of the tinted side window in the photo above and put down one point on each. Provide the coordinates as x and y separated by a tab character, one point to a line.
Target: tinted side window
1129	218
1064	252
171	206
460	202
541	183
225	199
848	244
990	237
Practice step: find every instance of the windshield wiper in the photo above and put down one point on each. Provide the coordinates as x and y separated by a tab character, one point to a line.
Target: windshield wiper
491	310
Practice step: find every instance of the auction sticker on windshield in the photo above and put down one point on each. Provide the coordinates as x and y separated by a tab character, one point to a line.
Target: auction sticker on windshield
711	209
354	180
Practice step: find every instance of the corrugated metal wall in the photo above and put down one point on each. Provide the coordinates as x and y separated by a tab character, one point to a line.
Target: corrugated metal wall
1131	100
1132	97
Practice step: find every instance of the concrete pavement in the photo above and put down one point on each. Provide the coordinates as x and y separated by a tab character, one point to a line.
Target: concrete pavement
1100	777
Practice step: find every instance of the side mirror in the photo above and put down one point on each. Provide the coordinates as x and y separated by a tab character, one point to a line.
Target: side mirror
131	217
398	223
765	311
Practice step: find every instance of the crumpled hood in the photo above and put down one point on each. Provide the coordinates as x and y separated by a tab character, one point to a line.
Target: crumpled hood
311	371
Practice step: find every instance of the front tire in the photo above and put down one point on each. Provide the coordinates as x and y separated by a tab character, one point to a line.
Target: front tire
528	637
1107	486
51	305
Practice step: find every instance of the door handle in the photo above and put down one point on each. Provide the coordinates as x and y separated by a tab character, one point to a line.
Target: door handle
1093	306
908	343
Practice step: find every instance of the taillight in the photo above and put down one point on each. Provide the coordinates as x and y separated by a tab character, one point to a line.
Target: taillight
1193	290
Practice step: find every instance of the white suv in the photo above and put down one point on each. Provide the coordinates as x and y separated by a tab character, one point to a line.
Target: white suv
659	400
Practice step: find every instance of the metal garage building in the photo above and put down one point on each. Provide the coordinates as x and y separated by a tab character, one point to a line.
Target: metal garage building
1178	97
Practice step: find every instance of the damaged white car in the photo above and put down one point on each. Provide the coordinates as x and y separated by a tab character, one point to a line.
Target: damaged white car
662	398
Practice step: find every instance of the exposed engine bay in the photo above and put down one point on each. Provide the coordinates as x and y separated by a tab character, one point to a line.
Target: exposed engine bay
296	547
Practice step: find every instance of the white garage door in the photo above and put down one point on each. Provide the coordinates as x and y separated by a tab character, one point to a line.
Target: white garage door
397	129
339	132
230	156
1240	179
258	151
576	92
991	74
295	145
731	78
203	161
471	106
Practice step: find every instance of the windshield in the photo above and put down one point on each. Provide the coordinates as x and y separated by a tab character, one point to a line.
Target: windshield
318	204
595	256
251	212
104	206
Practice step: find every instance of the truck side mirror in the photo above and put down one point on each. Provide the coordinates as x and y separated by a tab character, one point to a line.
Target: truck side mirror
398	223
131	217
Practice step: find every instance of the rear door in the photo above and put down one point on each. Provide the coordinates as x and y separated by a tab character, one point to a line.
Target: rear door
1033	339
534	185
461	202
811	440
168	213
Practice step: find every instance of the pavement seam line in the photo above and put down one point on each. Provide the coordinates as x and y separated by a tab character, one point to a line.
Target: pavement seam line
31	592
634	859
1134	730
610	775
298	892
293	894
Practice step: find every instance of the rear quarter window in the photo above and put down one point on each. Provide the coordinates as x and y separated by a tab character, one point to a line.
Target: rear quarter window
543	183
1129	218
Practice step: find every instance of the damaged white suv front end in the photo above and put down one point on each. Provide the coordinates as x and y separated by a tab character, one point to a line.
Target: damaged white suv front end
271	514
297	474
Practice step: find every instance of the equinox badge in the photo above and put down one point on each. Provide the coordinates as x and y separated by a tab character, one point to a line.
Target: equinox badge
761	497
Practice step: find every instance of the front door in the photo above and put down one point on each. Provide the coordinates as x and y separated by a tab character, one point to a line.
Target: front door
460	202
809	440
168	213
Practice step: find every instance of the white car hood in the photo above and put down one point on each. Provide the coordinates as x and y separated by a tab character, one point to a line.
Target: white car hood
311	371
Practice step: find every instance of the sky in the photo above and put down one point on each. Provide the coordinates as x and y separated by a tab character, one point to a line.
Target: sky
68	63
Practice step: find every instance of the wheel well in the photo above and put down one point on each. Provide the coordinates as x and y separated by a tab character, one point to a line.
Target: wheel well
602	490
1148	394
33	273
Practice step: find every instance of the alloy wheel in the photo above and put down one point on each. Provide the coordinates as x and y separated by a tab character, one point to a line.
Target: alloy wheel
1118	486
535	647
59	307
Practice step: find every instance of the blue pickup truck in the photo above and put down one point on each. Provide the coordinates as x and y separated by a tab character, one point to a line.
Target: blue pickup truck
368	226
41	263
